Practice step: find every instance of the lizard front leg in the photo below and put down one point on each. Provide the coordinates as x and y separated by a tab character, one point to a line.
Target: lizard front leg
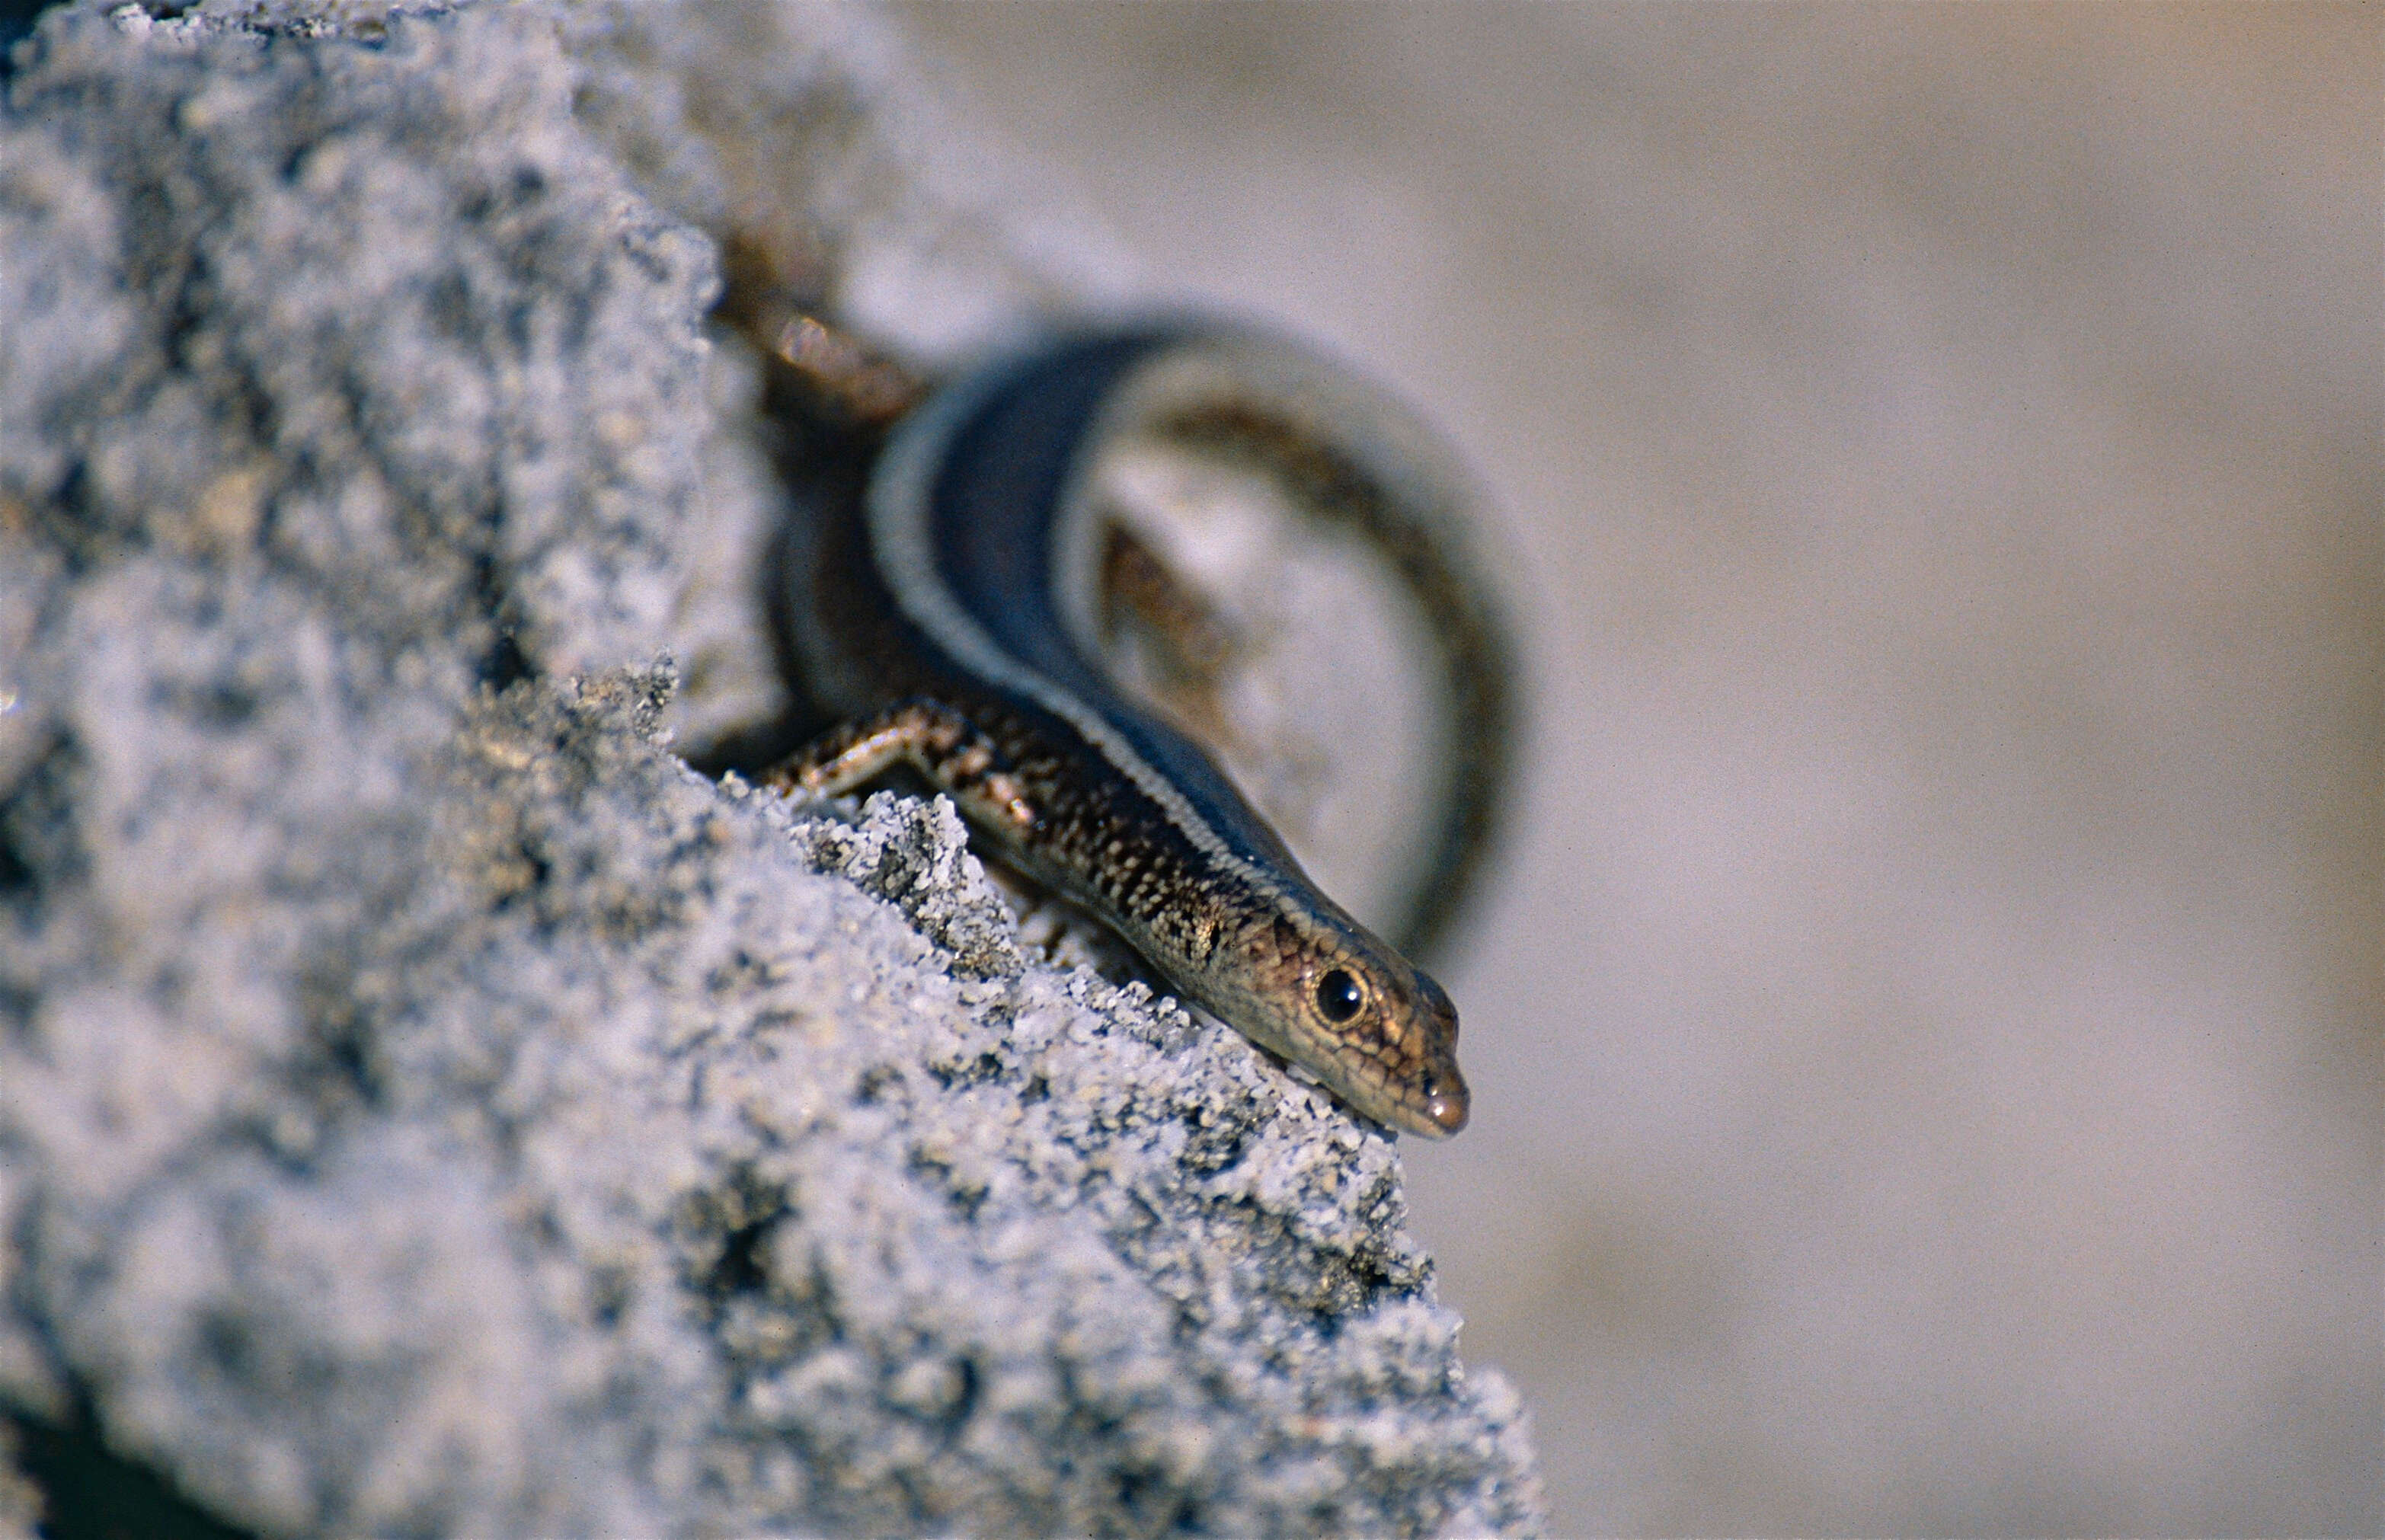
932	737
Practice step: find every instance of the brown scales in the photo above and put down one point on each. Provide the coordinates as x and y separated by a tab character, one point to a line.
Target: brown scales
1070	816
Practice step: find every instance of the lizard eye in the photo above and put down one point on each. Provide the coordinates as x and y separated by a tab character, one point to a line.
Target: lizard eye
1338	996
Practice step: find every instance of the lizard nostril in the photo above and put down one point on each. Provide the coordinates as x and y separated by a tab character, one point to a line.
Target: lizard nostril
1446	1105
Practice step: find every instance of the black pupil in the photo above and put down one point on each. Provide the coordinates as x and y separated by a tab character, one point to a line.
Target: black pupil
1337	996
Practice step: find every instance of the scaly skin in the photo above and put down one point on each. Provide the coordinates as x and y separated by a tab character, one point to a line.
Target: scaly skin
924	617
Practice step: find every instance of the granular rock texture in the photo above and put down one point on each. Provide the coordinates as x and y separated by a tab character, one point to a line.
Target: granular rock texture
428	1106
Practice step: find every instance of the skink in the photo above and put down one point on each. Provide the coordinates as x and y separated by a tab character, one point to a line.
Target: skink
940	618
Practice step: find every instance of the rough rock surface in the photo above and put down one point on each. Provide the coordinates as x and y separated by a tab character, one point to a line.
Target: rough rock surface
428	1106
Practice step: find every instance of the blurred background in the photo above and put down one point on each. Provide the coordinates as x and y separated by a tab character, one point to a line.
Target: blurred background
1927	1034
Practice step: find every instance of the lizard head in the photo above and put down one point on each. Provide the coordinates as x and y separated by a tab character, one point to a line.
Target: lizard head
1333	998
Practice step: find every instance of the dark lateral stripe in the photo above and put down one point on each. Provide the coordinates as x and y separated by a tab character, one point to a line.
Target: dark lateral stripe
962	515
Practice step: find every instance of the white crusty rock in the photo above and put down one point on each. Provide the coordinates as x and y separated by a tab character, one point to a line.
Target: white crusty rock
426	1106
